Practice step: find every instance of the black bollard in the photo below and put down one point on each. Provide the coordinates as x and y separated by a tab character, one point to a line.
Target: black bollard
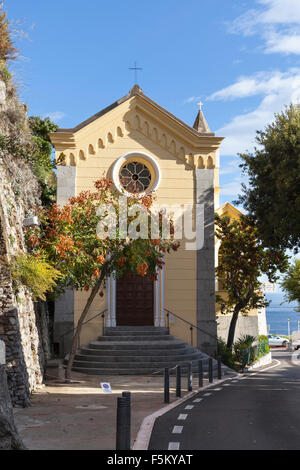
200	372
178	381
189	377
219	368
167	386
210	371
127	395
122	426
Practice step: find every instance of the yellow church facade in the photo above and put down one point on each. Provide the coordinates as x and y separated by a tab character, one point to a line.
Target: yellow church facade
180	164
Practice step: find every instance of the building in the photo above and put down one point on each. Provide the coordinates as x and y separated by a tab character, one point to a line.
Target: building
253	323
137	136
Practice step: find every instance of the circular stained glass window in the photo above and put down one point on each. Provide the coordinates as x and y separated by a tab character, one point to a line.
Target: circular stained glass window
135	177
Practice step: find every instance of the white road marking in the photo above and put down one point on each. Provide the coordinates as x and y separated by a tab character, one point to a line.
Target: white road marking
173	445
216	389
206	394
182	416
177	429
189	407
227	385
197	400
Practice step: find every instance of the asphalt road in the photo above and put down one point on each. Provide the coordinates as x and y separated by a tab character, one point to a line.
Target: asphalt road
260	411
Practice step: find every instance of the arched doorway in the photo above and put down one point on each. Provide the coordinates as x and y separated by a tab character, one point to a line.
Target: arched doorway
134	301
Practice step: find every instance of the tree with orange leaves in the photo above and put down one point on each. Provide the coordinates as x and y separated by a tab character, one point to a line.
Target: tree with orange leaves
67	238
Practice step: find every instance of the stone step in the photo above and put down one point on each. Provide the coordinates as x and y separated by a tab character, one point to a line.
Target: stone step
140	350
118	333
138	365
87	351
136	328
137	358
137	345
136	338
141	371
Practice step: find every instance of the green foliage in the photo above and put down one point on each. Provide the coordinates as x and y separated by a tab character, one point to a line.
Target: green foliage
35	273
37	152
263	347
43	164
4	73
226	354
241	354
272	198
243	351
242	260
291	283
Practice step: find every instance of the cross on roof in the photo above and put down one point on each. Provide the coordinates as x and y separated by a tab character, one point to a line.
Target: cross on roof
135	68
200	104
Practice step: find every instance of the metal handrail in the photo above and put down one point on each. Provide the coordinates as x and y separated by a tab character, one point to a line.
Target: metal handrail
102	314
192	326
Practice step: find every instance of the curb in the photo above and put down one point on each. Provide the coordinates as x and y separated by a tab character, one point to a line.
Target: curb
145	431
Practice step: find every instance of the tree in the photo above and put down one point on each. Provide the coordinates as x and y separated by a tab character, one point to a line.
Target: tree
291	283
272	197
67	239
43	164
242	260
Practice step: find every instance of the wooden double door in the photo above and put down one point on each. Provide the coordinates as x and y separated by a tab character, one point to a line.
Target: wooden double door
135	301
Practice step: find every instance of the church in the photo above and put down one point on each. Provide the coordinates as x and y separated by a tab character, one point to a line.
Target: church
137	138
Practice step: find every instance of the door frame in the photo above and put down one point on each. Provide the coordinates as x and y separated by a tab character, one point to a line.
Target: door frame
158	304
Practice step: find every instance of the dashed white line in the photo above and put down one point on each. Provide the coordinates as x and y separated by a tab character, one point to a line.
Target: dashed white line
216	389
197	400
177	429
173	445
206	394
189	407
182	416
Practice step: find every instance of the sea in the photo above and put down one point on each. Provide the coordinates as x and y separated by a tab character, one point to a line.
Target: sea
278	313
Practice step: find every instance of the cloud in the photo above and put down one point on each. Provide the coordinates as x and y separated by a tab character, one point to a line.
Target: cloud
277	22
55	116
277	90
191	99
231	189
262	83
232	167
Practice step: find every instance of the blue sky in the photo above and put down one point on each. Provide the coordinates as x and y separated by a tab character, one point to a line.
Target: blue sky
241	58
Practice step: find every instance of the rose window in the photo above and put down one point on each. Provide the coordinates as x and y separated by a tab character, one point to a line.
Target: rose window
135	177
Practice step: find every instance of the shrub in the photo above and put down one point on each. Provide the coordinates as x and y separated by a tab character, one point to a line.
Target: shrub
34	273
226	354
240	355
7	49
263	347
243	350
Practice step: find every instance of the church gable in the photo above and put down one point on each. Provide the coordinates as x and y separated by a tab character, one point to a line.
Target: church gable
138	118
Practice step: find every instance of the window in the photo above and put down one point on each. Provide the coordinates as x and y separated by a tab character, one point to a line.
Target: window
135	177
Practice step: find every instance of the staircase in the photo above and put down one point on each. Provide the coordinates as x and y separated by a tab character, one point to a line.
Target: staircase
138	350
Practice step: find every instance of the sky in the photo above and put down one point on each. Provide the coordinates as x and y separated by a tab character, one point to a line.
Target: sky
240	58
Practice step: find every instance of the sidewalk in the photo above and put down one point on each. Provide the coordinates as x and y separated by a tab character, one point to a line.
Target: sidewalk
79	416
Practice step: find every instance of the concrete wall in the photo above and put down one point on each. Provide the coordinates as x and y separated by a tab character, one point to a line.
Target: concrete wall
64	306
246	325
206	265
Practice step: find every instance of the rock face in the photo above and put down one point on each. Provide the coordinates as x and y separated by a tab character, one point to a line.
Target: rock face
21	323
9	439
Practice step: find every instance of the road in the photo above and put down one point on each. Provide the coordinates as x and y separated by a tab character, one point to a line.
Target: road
260	411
